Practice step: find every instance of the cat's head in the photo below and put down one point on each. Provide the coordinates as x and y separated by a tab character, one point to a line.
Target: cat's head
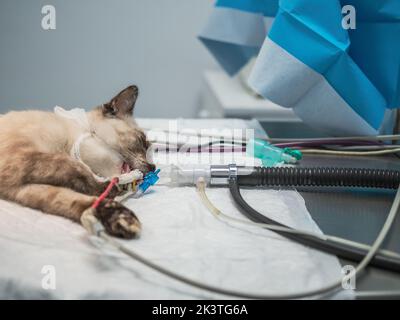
122	144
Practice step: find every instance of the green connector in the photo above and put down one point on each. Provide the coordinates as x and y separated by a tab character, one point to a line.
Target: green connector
271	155
294	153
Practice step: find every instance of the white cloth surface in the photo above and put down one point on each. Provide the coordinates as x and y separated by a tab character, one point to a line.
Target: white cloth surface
180	234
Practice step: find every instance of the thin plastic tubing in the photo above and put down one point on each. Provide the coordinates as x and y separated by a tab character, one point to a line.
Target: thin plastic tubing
350	153
317	143
306	294
301	143
342	251
392	137
106	192
201	186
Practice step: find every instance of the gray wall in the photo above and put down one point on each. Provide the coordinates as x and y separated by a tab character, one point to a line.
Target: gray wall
99	47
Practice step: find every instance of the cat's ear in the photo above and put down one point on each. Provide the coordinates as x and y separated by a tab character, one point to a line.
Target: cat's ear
122	104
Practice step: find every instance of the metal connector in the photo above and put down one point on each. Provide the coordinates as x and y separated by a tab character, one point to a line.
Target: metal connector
220	174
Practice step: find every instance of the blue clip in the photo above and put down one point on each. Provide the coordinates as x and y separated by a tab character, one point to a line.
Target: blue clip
149	180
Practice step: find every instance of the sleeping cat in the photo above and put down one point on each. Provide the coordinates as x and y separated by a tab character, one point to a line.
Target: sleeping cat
37	170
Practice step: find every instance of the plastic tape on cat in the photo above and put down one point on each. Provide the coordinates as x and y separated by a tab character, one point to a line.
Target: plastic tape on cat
79	116
125	178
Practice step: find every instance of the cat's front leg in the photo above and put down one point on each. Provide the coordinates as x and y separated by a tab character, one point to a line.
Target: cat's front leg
118	220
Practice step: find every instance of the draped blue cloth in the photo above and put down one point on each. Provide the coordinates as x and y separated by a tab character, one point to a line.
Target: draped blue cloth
343	81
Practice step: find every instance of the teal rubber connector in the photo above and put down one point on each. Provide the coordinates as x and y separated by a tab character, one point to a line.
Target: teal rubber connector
294	153
271	155
149	180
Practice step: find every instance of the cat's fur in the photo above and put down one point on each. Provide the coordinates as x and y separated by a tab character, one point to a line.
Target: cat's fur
37	171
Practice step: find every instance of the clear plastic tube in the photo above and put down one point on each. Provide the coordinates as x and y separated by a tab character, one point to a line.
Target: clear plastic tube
183	175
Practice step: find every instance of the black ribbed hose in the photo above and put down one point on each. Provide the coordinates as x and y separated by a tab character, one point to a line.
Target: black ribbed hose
340	250
329	177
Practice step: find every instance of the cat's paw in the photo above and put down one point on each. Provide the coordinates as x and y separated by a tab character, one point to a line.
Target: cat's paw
118	220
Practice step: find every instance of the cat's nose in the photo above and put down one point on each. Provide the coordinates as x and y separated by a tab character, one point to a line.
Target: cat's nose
151	167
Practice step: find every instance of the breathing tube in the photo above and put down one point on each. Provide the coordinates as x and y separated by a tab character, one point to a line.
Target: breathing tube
321	177
235	177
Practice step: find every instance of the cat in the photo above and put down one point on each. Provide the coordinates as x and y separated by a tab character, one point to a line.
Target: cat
38	171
